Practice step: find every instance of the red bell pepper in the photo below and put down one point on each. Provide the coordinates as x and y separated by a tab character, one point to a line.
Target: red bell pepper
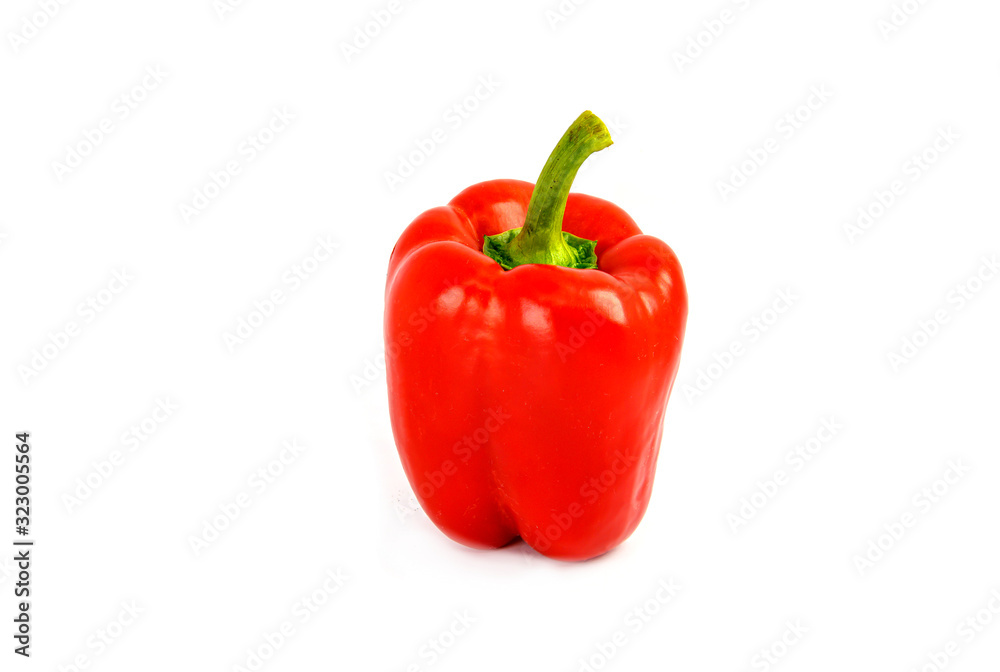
532	340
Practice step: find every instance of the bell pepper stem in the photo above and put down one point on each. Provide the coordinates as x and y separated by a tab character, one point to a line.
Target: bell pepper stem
541	240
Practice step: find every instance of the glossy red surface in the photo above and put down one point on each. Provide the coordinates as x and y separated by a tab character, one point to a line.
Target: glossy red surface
530	402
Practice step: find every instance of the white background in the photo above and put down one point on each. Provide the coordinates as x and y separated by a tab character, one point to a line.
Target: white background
312	372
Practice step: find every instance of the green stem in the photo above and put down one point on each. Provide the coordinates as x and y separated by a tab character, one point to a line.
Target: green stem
541	240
